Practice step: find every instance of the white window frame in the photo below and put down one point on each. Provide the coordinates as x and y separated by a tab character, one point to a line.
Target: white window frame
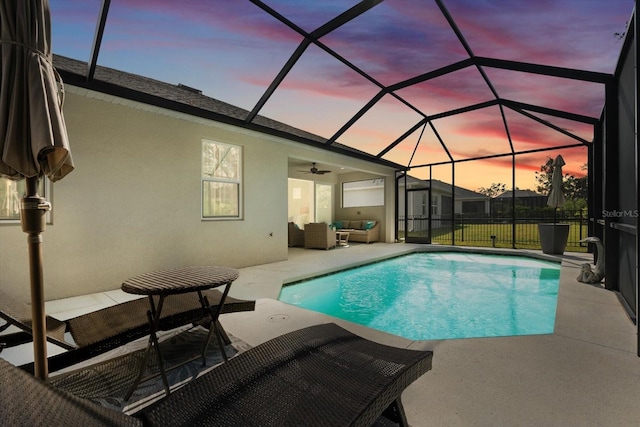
375	185
206	178
44	191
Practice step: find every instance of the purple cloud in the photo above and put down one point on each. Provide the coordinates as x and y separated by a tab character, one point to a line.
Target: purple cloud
563	33
234	50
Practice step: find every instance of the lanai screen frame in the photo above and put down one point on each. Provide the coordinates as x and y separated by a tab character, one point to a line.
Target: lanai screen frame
87	80
473	61
315	38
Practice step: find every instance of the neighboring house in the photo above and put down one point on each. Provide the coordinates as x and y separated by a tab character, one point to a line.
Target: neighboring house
465	201
441	197
523	198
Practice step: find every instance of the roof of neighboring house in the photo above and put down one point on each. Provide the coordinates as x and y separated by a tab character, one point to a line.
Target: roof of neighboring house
443	187
520	194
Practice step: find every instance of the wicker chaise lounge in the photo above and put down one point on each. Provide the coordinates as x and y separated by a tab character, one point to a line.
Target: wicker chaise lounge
102	330
318	376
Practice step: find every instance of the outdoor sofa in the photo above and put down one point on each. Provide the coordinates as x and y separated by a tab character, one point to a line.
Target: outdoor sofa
102	330
322	375
364	231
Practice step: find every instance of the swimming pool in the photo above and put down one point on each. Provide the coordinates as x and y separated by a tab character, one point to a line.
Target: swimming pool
439	295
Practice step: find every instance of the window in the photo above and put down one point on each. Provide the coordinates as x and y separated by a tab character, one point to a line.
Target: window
221	180
363	193
475	206
445	209
11	192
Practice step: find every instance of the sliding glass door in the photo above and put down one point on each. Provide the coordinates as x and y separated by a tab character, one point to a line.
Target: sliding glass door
309	202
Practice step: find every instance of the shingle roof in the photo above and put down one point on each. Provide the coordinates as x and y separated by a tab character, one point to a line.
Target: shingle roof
185	95
519	193
459	192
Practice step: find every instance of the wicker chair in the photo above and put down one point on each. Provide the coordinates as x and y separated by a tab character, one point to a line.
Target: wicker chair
318	235
296	235
322	375
102	330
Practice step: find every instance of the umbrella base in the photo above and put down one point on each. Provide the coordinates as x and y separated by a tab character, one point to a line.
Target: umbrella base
553	238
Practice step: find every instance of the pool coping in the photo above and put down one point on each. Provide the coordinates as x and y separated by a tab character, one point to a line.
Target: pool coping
435	248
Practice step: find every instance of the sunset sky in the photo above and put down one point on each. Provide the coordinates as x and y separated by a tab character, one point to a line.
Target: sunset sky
232	50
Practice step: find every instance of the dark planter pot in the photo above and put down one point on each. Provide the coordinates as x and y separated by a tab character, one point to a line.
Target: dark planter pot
553	238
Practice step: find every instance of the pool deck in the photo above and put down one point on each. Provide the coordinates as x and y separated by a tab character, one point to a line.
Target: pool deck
586	373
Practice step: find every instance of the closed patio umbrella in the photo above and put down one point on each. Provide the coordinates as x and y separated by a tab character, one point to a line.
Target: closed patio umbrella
553	237
556	195
33	136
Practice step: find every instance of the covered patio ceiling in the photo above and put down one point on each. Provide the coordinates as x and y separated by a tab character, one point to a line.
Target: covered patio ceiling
400	82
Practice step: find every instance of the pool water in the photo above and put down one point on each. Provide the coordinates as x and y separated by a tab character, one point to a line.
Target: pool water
439	295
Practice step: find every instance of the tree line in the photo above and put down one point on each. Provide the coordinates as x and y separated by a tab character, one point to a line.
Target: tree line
575	189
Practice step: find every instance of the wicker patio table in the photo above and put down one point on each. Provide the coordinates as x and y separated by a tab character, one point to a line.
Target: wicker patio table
162	284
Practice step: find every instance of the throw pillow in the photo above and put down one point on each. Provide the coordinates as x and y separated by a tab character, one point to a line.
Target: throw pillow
345	223
337	224
368	225
356	225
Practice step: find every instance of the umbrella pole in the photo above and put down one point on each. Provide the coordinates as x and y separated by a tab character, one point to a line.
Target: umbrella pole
33	210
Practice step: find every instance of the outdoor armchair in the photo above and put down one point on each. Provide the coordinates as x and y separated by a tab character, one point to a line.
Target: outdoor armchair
319	235
295	235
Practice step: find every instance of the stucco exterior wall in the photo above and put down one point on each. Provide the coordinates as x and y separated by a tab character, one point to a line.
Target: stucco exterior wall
132	204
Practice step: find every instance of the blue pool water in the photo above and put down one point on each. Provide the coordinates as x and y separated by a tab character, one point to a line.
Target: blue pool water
439	295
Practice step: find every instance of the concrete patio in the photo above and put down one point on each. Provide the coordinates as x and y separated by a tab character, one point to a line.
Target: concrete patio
585	373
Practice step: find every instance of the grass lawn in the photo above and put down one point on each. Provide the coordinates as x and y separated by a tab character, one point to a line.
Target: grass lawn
526	236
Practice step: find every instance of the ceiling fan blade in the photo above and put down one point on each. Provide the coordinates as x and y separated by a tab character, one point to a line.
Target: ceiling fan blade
314	170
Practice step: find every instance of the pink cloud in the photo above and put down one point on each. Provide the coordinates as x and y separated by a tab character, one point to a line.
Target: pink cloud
460	89
239	48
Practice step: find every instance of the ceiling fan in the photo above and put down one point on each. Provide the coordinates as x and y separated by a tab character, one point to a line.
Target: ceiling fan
315	171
